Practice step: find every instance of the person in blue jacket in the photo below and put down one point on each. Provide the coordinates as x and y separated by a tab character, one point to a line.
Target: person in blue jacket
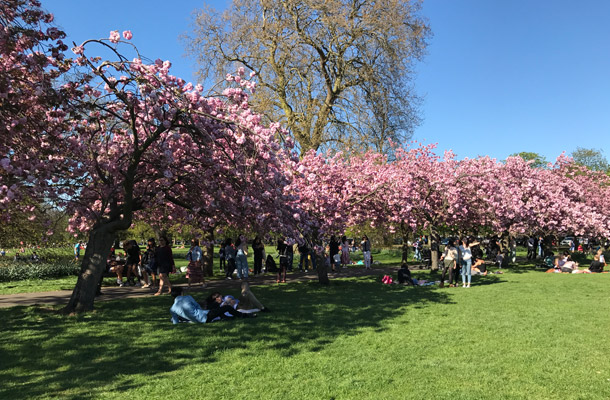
186	309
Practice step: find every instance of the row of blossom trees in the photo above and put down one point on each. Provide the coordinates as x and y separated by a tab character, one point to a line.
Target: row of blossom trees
109	140
419	191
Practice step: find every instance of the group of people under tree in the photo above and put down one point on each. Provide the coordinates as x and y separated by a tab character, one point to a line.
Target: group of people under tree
157	261
142	269
458	259
564	263
461	257
234	256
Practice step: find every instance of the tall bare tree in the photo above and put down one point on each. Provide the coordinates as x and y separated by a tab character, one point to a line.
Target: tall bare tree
336	73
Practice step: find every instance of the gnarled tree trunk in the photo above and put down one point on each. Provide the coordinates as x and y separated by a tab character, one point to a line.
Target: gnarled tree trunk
405	244
320	261
434	247
322	270
92	268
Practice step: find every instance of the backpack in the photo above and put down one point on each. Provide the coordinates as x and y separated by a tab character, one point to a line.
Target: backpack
387	279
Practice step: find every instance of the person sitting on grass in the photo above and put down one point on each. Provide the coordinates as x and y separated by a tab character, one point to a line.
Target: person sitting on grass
248	302
404	275
596	265
600	253
478	264
186	309
565	263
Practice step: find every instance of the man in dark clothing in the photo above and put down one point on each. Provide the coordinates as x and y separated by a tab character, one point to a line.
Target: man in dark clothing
132	251
333	247
404	275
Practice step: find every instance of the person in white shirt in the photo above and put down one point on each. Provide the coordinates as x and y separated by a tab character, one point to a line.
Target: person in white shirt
467	261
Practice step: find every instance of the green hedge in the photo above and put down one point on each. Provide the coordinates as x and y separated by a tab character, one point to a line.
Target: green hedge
41	270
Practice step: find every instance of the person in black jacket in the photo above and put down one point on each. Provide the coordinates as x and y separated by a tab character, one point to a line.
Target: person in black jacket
596	264
333	247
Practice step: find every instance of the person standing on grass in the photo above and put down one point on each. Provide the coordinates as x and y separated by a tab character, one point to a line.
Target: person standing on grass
467	261
221	258
259	249
416	249
164	259
282	251
241	260
345	259
449	258
333	247
365	244
77	248
290	253
531	251
148	261
303	254
230	258
194	272
134	256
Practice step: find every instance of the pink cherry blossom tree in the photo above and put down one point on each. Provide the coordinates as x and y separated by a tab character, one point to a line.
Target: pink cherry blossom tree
32	59
127	138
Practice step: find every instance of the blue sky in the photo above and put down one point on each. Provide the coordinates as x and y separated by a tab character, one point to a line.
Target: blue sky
500	77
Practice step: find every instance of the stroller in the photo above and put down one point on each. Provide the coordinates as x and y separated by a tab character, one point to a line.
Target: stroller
548	262
426	257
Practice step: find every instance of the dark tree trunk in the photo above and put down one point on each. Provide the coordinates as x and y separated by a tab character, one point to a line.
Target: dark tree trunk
208	252
505	248
405	245
322	270
320	261
547	245
434	247
92	268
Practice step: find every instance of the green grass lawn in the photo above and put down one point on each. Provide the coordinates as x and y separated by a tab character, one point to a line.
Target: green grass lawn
520	335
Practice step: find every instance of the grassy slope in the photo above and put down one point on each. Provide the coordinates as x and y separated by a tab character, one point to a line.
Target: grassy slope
524	334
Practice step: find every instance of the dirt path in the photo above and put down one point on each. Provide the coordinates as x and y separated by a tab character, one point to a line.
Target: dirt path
114	292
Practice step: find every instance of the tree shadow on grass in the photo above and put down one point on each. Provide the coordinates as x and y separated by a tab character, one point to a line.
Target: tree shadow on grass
45	354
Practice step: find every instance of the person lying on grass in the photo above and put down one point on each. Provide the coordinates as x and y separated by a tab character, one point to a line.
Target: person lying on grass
479	267
247	302
186	309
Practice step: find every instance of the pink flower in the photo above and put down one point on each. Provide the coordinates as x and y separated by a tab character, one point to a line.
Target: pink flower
127	35
77	50
114	36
